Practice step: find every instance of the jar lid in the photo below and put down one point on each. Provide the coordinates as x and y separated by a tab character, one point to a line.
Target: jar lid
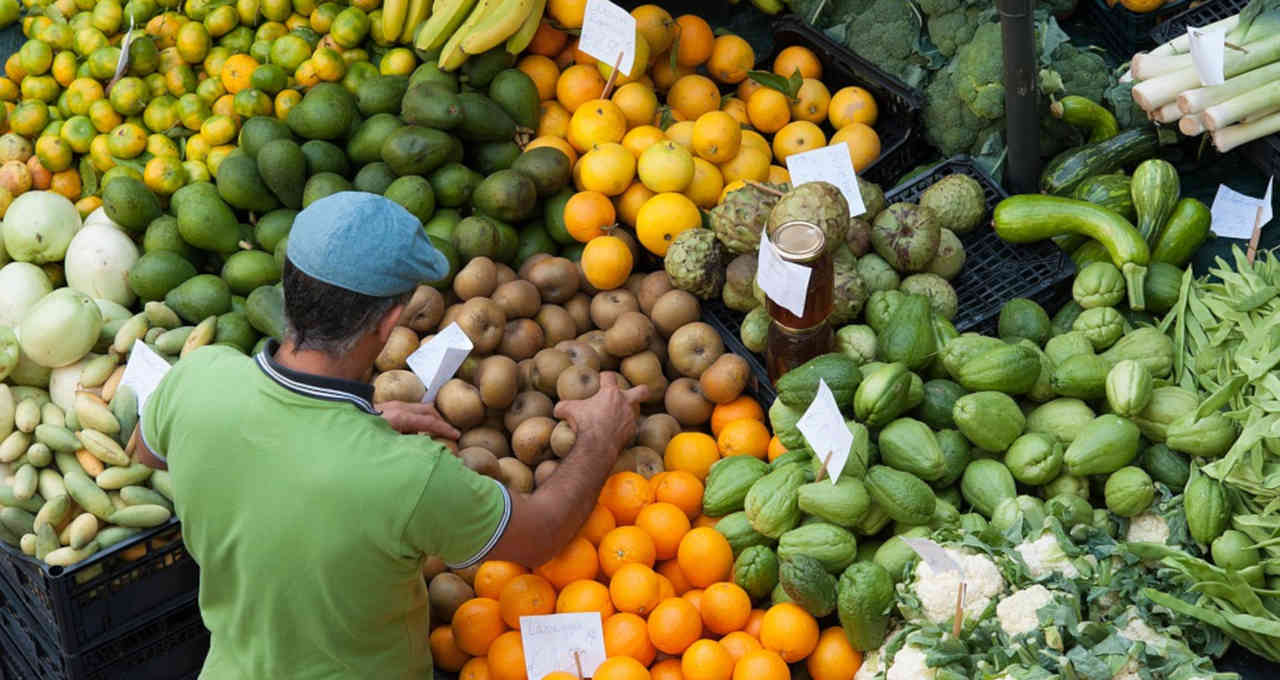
798	241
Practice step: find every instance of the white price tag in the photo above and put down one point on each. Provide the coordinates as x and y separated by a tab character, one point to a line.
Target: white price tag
572	643
825	431
933	555
1208	53
435	362
784	282
831	164
607	31
1234	213
143	372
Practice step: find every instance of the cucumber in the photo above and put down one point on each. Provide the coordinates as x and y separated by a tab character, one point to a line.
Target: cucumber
1109	191
1073	166
1184	232
1155	190
1083	112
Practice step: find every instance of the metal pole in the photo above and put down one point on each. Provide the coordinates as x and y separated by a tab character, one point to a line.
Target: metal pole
1021	108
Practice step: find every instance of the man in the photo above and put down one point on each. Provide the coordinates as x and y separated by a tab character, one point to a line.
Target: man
307	509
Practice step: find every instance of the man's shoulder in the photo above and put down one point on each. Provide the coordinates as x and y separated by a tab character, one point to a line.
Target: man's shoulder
215	359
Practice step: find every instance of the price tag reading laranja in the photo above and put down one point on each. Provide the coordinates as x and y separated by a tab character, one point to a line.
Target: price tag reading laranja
607	31
572	643
1208	54
825	431
831	164
784	282
435	362
143	372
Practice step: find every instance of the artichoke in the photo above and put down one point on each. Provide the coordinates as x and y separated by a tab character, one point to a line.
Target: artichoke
738	220
820	203
696	262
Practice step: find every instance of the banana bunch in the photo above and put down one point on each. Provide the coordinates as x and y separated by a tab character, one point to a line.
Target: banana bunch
458	29
402	18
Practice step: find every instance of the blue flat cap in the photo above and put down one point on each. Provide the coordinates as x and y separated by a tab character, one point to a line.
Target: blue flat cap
364	243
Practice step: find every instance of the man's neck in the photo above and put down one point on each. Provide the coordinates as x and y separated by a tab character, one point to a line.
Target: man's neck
348	367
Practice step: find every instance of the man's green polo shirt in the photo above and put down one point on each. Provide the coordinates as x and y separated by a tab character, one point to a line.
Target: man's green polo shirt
309	517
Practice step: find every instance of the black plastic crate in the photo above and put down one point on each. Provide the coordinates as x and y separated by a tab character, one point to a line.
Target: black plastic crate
114	591
1125	32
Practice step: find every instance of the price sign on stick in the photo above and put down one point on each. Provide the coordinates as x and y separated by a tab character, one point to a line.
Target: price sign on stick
824	430
1236	215
572	643
939	561
607	32
784	282
435	362
831	164
1208	52
143	372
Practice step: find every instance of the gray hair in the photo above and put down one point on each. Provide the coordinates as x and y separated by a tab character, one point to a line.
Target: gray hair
327	318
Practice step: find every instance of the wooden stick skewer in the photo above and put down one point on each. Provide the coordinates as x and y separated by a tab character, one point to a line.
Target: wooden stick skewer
613	76
959	618
1257	233
822	471
577	661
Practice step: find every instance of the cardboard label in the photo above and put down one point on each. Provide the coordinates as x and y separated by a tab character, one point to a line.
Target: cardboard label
1208	53
144	371
831	164
1235	214
435	362
607	31
825	431
784	282
572	643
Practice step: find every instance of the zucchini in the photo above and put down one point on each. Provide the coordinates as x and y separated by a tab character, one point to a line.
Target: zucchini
1073	166
1186	230
1033	217
1083	112
1155	190
1109	191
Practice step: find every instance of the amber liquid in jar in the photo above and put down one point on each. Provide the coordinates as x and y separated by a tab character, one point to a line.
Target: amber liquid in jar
793	339
789	348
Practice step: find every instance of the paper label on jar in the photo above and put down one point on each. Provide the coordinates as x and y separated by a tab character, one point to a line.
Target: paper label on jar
786	283
831	164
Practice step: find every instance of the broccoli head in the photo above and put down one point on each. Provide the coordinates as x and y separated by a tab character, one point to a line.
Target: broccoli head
952	23
886	33
1083	71
977	73
949	125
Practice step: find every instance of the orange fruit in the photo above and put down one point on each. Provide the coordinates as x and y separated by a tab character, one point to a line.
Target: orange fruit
665	588
706	660
671	571
666	670
665	167
598	121
475	669
637	102
746	88
679	488
599	523
731	58
67	183
797	57
554	121
585	596
682	133
576	562
778	175
705	557
852	104
624	494
634	588
621	668
577	85
674	625
666	524
587	214
812	101
656	25
707	184
716	136
693	95
628	635
796	137
696	40
761	664
555	143
544	73
526	595
834	658
744	437
768	110
725	608
607	168
548	40
693	452
789	630
662	218
560	675
663	75
642	137
567	13
444	650
493	575
625	545
629	203
775	448
739	643
863	143
754	623
750	163
506	657
606	262
742	407
476	624
694	597
737	108
639	64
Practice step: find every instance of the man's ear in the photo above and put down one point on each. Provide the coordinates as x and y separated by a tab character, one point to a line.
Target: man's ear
388	323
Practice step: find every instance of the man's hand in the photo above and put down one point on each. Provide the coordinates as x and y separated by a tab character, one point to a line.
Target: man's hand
607	420
410	418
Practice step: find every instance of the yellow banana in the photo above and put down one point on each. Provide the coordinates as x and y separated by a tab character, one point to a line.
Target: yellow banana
393	13
446	17
522	37
418	11
503	20
451	55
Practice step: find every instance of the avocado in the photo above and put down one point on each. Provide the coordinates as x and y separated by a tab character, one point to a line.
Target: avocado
553	217
325	112
281	251
273	227
237	304
374	178
323	156
477	236
534	239
199	298
283	168
241	186
322	185
455	262
414	150
431	105
234	329
204	219
490	157
506	195
248	269
483	120
516	93
479	70
259	130
157	272
130	203
264	308
453	184
381	94
429	72
162	234
508	243
415	194
365	145
443	223
548	167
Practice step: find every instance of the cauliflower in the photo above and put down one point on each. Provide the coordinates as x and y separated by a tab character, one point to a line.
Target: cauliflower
1148	528
1138	630
1129	671
870	666
937	590
909	664
1018	612
1044	556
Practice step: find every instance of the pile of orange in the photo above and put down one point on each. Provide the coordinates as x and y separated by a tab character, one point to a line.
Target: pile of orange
661	578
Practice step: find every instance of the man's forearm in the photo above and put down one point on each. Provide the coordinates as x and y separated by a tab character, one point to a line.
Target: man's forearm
574	487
